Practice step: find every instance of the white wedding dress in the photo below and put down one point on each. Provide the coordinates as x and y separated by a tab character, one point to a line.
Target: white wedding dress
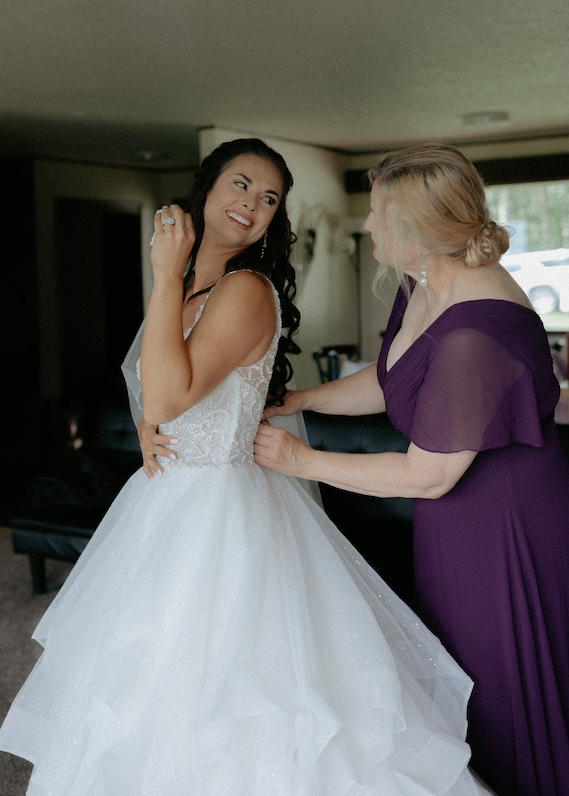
219	637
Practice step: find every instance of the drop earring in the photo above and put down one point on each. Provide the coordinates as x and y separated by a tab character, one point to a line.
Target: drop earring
423	279
264	245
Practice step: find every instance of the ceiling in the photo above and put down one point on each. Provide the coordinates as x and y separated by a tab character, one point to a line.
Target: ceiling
108	80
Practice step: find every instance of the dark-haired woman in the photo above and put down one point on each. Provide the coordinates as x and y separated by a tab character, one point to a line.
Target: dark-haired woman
465	372
219	637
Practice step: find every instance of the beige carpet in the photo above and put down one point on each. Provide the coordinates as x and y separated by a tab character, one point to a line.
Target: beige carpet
20	611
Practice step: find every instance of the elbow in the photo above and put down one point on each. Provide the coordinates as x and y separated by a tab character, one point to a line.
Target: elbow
163	406
154	418
157	413
435	491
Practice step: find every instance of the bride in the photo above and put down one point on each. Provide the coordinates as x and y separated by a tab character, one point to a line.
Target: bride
219	637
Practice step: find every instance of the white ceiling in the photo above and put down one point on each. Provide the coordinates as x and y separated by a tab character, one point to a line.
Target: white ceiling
103	79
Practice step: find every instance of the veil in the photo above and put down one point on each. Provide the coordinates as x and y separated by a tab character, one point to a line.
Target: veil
131	373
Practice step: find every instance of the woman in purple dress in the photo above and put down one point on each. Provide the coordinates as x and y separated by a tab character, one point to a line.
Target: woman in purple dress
465	373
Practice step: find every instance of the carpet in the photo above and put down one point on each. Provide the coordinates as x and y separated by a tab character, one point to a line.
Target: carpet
20	611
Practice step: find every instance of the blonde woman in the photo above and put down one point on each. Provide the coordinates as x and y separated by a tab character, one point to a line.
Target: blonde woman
465	373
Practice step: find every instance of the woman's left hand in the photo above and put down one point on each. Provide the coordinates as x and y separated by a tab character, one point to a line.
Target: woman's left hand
174	237
152	445
282	452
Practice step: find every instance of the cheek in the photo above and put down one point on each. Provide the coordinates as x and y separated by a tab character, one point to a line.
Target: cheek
266	215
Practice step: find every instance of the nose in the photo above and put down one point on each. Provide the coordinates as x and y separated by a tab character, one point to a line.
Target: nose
368	223
250	202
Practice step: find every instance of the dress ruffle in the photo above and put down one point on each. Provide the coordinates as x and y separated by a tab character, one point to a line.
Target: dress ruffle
219	636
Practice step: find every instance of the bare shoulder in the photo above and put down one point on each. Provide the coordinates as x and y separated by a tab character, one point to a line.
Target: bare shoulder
243	286
241	304
492	283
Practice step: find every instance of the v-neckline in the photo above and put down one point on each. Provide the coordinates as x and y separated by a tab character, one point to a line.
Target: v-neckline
437	319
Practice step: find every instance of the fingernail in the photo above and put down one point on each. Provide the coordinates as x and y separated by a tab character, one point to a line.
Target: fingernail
172	456
173	442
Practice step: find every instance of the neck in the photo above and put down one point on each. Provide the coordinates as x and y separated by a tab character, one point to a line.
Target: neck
207	270
210	263
443	274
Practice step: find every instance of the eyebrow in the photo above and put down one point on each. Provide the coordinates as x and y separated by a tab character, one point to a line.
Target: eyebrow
250	181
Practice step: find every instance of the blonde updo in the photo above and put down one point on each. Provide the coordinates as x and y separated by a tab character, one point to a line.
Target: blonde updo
439	198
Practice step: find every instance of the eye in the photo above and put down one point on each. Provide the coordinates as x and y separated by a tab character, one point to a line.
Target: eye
241	184
270	200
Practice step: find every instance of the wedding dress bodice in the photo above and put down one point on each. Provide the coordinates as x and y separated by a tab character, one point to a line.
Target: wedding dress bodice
220	429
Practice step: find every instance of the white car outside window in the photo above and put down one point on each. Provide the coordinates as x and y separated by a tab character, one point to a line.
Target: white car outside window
543	276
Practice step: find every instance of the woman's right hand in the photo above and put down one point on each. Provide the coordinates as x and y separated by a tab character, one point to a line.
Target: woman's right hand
293	403
152	445
174	237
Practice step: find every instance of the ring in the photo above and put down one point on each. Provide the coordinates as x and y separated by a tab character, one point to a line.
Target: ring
168	220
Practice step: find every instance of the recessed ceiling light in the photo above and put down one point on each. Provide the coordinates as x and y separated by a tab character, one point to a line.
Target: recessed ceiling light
485	117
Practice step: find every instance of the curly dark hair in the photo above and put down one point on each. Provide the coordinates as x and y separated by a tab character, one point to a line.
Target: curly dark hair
275	264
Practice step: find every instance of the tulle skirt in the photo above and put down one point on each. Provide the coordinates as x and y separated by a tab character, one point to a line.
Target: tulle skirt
219	637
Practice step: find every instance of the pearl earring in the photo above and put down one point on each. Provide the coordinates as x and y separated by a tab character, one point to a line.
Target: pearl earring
423	279
264	245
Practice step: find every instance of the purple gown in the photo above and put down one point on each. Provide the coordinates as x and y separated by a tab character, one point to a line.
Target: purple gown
492	555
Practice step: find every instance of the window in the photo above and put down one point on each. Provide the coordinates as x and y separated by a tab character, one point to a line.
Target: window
538	258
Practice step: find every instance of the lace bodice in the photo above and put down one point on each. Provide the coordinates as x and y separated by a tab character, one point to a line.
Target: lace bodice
220	429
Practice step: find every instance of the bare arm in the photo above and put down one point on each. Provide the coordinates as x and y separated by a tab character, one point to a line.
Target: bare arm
163	348
358	394
417	473
235	329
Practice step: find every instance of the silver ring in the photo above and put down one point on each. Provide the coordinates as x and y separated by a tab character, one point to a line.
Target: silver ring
168	220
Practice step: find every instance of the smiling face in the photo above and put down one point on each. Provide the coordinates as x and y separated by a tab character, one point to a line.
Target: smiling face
242	203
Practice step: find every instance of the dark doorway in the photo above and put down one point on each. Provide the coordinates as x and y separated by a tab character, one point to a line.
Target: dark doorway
99	290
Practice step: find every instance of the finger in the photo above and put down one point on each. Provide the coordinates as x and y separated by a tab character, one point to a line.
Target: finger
160	451
162	439
151	466
168	217
177	214
158	225
189	223
154	450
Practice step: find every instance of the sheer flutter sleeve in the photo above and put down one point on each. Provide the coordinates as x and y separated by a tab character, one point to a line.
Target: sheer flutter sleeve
475	395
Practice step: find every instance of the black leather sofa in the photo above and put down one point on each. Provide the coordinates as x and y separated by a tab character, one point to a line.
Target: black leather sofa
380	528
68	499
